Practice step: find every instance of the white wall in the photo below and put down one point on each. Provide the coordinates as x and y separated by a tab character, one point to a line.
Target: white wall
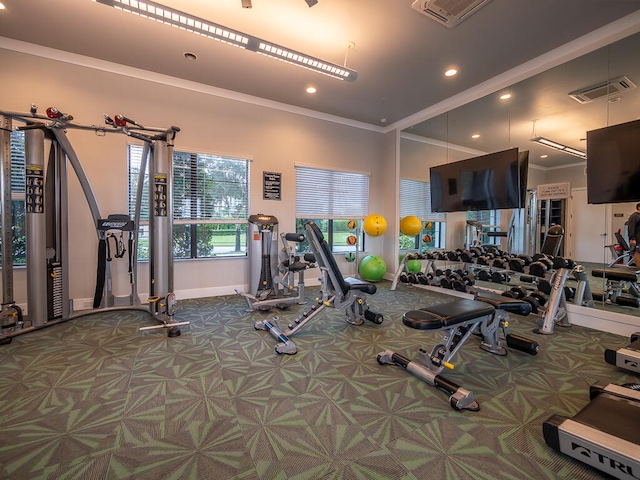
275	140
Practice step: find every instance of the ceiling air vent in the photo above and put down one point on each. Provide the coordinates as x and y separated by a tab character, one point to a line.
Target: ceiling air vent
612	87
448	12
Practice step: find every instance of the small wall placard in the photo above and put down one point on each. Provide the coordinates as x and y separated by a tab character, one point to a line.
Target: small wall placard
553	191
272	185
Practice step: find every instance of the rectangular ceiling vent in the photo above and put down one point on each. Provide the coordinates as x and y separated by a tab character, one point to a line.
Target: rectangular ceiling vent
606	89
448	12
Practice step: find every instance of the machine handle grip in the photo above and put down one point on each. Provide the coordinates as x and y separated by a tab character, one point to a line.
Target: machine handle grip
294	237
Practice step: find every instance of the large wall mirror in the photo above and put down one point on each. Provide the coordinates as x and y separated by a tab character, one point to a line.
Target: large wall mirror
540	106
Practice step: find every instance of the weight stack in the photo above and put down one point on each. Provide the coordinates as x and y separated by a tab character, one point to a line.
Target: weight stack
54	290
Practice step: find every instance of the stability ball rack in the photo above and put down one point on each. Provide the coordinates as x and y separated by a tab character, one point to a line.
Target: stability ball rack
47	216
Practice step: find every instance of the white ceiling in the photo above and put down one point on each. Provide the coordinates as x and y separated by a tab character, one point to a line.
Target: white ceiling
400	55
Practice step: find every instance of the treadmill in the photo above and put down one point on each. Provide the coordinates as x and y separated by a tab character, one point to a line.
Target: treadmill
605	434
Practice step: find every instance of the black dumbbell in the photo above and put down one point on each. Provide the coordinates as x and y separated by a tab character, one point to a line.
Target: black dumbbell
499	277
520	291
535	304
540	296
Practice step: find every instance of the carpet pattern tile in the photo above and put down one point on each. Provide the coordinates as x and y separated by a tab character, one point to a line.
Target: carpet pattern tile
95	398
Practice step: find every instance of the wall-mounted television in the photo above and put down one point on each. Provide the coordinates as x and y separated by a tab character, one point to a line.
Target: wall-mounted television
613	163
490	182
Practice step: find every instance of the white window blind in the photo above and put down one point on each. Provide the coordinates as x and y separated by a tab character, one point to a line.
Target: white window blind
17	162
331	194
205	187
210	187
415	199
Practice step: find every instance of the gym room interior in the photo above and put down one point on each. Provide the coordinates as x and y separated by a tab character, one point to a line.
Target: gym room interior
200	379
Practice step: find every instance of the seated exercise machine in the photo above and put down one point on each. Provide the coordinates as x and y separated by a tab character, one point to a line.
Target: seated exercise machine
604	434
337	292
272	281
618	279
485	316
620	251
627	357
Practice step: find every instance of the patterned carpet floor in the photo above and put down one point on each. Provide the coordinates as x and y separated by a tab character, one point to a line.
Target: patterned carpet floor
95	398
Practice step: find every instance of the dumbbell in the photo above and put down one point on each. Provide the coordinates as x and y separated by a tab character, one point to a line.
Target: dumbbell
466	256
517	264
499	263
540	296
535	304
460	283
453	256
520	291
538	269
422	278
484	275
500	277
482	260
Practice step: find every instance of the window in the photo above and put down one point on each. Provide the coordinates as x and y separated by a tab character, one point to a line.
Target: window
490	220
210	204
331	198
18	161
415	199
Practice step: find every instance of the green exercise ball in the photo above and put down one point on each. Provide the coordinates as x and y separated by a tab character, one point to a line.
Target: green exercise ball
372	268
350	257
414	266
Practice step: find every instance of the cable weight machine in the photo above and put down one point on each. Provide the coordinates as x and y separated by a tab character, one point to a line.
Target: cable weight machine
47	219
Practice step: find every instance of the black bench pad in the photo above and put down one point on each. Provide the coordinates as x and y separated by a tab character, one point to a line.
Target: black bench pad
355	284
512	305
446	314
621	273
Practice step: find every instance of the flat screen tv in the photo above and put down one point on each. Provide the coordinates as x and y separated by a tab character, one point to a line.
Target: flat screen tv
613	163
490	182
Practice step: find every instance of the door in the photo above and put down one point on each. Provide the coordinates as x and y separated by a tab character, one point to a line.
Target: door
587	229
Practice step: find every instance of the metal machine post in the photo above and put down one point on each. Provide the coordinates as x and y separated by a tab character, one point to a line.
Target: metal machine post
263	254
35	226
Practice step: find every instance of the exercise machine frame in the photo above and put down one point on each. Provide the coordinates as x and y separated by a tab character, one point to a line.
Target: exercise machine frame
46	220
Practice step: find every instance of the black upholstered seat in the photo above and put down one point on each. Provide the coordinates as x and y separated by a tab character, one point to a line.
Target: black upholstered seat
446	314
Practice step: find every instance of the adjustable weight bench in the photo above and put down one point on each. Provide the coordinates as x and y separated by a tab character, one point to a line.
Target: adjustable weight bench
485	316
348	294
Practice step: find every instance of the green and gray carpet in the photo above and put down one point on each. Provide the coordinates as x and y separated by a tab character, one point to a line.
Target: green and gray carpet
94	398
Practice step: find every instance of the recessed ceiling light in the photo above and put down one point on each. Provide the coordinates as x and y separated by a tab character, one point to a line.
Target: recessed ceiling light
475	135
451	72
2	7
383	120
190	56
544	156
505	96
312	89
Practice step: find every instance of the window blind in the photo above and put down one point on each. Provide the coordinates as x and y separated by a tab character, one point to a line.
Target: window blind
415	199
331	194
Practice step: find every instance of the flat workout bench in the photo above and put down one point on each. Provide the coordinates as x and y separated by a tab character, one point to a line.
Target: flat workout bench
486	315
620	278
621	273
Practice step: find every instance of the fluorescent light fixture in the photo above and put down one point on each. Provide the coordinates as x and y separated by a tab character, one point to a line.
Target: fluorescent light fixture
199	26
559	146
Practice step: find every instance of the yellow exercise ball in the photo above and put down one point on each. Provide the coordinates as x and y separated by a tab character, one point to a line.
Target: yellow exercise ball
374	225
410	225
352	224
428	226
